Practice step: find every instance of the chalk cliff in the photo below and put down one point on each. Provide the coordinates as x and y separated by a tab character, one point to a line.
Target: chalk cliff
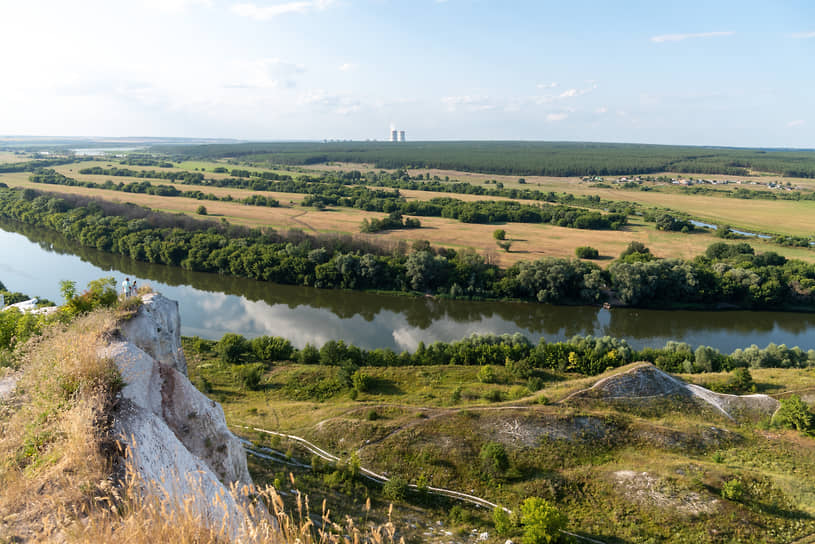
177	440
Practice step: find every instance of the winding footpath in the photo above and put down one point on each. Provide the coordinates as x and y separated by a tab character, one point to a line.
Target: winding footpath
371	475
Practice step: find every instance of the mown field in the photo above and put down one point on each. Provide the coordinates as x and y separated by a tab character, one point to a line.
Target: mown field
529	241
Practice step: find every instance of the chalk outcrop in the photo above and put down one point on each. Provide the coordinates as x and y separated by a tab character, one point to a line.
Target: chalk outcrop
178	443
645	384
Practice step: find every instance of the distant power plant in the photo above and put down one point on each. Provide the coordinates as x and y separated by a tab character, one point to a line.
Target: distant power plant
397	135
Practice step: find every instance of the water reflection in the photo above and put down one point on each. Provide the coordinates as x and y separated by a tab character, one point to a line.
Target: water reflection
34	260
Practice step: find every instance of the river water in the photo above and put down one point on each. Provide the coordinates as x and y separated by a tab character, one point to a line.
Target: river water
34	260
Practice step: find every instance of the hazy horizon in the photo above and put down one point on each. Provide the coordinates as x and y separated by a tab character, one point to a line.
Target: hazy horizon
731	74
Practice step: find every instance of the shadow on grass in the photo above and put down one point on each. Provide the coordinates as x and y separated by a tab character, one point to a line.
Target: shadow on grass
384	386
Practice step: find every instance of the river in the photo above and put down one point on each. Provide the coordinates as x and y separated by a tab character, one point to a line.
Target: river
34	261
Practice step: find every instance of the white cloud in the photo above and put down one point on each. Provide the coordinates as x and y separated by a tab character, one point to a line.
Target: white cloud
601	110
803	35
264	74
569	93
679	37
551	117
175	6
551	85
267	13
468	103
347	66
341	104
796	123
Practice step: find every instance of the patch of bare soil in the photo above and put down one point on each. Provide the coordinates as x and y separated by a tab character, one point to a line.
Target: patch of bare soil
649	490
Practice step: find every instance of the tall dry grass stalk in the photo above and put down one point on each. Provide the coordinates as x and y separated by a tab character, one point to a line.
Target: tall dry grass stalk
261	518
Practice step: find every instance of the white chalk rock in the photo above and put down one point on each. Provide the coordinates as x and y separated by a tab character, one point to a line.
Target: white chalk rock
156	328
177	438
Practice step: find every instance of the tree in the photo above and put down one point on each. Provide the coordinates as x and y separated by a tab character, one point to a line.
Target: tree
504	244
499	234
542	521
202	210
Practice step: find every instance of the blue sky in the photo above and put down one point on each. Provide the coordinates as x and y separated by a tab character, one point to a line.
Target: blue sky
712	73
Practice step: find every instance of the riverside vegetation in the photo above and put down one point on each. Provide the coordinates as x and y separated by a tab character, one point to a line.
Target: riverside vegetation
727	274
492	415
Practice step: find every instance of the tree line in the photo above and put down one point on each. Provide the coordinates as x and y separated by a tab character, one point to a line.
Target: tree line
360	197
726	274
587	355
52	177
516	158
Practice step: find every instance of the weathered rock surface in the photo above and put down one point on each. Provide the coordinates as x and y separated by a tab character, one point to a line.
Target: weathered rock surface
156	329
177	439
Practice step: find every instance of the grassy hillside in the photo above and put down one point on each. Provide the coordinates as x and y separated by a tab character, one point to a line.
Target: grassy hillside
622	472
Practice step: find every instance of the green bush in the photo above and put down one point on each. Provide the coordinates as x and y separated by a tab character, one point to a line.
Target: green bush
502	522
499	234
586	252
395	489
249	376
793	414
360	381
733	490
541	521
271	348
486	374
494	459
231	347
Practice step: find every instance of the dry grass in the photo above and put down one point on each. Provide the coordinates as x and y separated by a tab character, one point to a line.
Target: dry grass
58	459
139	519
53	438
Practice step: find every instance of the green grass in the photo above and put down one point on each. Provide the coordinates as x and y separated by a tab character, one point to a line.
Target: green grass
412	423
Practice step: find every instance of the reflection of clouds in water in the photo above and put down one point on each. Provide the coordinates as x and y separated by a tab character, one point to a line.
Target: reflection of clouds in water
446	330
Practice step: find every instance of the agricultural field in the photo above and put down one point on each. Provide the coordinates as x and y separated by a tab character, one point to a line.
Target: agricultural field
528	241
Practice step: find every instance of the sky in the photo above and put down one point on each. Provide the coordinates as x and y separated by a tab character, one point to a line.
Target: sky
665	72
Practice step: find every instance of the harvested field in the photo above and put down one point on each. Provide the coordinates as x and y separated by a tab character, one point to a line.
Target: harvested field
529	241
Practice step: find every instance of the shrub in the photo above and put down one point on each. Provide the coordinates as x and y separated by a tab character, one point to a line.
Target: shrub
202	210
502	522
249	376
793	414
360	381
231	347
733	490
542	521
309	355
586	252
395	489
486	374
271	348
499	234
494	459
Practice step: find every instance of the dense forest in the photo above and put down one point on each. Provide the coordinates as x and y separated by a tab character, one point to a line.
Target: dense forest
517	158
727	274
